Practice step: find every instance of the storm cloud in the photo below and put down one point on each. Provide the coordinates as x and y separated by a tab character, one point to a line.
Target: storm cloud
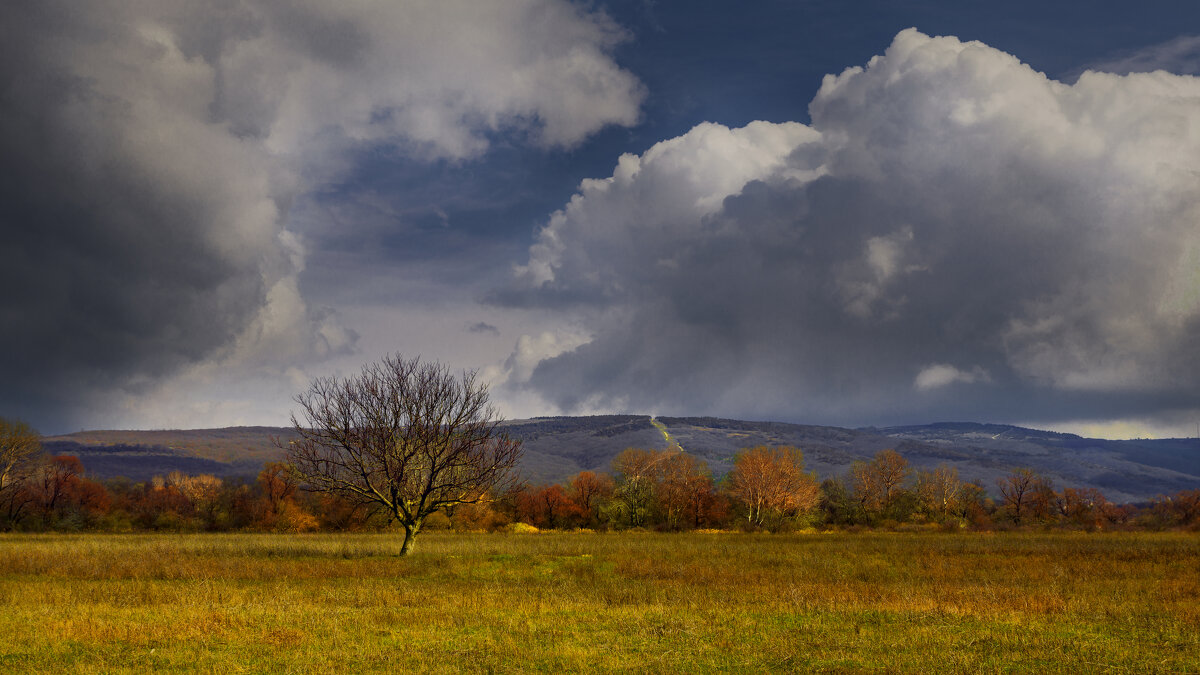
954	231
151	152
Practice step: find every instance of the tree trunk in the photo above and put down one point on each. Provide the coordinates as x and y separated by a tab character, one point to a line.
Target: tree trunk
410	535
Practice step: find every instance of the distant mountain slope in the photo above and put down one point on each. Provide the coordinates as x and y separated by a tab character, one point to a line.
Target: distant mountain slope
1123	470
559	447
230	444
140	455
143	462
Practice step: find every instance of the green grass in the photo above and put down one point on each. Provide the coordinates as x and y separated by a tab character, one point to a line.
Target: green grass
1062	602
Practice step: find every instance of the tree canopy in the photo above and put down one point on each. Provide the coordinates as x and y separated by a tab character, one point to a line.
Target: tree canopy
406	436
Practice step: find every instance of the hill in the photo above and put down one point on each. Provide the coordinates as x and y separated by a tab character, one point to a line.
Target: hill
558	447
140	455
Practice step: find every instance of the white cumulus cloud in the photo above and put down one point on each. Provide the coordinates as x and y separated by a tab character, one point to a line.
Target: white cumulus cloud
947	204
941	375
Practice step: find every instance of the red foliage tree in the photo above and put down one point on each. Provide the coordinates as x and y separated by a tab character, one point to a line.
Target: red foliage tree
1178	510
589	491
60	493
547	506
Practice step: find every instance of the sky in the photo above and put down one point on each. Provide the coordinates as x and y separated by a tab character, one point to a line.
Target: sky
825	212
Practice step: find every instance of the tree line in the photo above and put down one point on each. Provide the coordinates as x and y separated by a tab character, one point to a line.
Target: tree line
767	489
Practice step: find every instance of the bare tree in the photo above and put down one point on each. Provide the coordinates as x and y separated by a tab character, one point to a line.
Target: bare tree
406	436
20	454
1017	490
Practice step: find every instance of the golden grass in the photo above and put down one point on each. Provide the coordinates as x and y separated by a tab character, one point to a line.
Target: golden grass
551	602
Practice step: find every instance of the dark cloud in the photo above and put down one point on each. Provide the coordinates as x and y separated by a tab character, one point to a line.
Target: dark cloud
118	223
955	236
483	327
152	152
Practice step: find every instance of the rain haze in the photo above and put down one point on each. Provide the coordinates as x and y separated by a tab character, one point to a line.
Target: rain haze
865	213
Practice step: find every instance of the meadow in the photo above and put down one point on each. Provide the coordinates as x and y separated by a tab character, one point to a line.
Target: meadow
641	602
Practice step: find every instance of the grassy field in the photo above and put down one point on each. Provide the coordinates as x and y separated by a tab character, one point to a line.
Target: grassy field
1105	603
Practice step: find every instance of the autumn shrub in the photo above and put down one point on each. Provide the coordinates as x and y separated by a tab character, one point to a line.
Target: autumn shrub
293	518
170	521
949	525
478	517
117	521
436	521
